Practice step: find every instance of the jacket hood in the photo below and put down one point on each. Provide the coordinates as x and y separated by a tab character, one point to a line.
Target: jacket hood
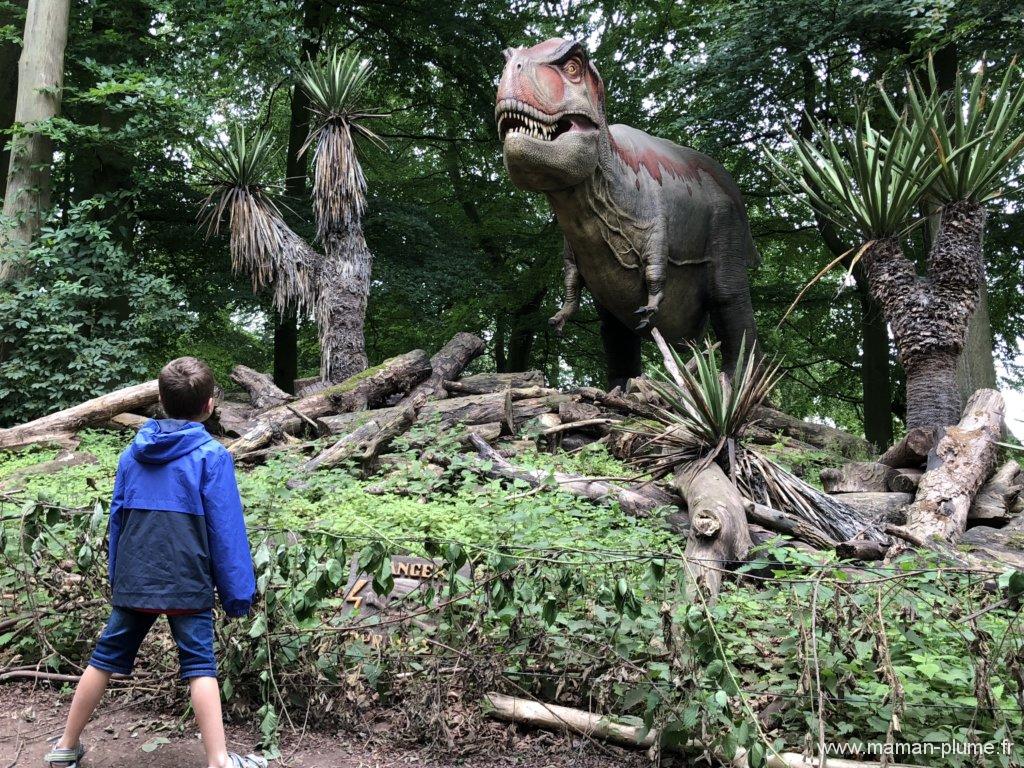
163	440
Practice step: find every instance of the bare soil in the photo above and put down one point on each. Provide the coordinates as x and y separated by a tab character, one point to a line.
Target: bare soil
31	715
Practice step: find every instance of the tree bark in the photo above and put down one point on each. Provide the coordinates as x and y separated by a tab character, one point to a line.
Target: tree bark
929	316
447	364
471	409
719	538
344	290
94	411
40	80
263	392
819	435
966	454
856	477
639	502
874	365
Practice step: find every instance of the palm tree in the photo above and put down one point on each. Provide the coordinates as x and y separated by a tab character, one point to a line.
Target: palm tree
335	86
262	244
874	186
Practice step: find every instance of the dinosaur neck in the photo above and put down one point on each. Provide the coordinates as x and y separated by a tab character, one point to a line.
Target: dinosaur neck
609	176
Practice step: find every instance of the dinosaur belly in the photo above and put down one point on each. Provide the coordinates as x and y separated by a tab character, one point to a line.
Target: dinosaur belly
683	312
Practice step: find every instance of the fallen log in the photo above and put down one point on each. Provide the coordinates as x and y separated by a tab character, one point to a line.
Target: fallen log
905	480
486	383
862	549
532	407
820	436
131	421
996	497
911	451
718	525
789	525
61	462
58	425
258	437
639	502
363	391
553	717
856	477
230	419
364	443
447	363
966	455
1000	545
470	409
886	506
263	392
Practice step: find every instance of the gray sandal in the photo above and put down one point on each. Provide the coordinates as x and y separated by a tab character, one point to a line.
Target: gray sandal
65	758
249	761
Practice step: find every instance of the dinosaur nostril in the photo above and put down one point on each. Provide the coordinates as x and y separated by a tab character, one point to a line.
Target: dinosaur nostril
519	66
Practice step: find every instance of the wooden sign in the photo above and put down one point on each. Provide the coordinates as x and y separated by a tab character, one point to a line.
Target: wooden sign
411	575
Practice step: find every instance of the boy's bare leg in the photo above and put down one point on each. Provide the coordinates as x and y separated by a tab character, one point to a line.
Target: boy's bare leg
206	703
87	697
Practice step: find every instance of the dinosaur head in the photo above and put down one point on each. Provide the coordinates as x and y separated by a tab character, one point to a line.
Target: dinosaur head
550	115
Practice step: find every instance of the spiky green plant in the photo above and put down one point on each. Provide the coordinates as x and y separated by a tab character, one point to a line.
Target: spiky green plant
862	180
237	169
335	85
699	409
975	133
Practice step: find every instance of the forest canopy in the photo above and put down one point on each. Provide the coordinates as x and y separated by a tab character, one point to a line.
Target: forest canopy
123	277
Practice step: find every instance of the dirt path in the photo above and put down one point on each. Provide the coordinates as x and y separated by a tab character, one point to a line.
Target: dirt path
116	737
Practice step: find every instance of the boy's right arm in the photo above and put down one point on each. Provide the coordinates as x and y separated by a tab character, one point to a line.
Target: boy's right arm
116	507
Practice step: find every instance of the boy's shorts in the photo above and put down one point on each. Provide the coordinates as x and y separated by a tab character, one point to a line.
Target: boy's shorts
126	630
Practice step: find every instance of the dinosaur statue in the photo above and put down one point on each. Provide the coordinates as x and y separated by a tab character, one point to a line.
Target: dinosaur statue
656	232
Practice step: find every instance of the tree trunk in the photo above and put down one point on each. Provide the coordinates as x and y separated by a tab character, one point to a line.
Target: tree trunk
447	364
9	52
524	332
40	80
857	477
883	506
263	392
471	409
976	368
719	538
364	443
995	498
286	350
933	398
341	304
94	411
911	452
789	525
481	383
905	480
967	454
874	365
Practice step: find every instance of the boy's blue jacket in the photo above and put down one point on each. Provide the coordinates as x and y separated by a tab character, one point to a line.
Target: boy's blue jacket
176	524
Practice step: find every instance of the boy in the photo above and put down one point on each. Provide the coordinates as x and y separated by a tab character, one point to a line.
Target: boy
176	533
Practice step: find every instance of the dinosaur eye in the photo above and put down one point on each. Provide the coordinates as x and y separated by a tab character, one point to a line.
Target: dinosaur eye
574	69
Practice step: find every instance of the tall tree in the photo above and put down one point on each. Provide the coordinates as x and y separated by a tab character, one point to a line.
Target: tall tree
335	85
12	22
40	79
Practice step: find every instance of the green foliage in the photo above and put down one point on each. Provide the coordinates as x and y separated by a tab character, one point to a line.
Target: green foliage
862	180
977	136
85	319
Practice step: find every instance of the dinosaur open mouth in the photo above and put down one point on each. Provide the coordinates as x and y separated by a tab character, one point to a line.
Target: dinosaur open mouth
515	116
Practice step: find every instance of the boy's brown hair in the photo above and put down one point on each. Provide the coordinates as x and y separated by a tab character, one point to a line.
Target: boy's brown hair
186	385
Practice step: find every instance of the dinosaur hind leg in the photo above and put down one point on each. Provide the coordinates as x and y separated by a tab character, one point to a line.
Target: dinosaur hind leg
621	349
732	313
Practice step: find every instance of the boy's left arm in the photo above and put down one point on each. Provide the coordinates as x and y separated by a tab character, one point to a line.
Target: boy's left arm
230	557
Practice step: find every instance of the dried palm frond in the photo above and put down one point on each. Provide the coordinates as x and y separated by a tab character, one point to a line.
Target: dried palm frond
335	85
699	412
262	245
700	409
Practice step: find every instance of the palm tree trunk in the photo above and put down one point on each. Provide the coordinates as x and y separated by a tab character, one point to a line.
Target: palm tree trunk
341	304
929	316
